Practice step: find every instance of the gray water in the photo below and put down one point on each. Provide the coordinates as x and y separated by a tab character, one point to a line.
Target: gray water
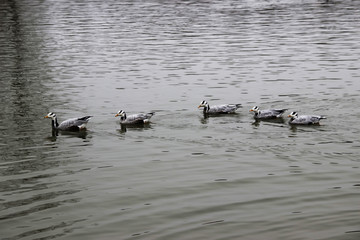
184	176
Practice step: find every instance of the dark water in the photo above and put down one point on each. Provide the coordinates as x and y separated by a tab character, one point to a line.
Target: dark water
183	177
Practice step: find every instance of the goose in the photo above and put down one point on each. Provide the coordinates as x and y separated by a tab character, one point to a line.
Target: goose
304	119
218	109
139	118
267	114
73	124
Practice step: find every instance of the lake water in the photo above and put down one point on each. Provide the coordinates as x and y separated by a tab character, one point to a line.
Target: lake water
184	176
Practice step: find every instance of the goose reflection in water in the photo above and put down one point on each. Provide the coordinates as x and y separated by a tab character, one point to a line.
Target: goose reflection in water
274	120
55	134
137	127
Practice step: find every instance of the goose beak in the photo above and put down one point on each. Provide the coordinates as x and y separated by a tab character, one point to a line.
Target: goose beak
289	115
251	110
199	106
46	116
116	115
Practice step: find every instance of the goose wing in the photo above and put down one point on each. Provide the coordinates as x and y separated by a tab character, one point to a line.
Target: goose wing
74	123
316	119
308	119
279	111
271	113
224	108
138	118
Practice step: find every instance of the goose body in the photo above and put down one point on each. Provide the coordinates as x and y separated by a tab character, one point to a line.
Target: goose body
140	118
267	113
73	124
304	119
218	109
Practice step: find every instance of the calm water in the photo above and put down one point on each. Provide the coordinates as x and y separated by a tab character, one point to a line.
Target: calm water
183	177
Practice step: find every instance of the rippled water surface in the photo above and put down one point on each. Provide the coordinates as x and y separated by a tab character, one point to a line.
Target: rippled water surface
183	176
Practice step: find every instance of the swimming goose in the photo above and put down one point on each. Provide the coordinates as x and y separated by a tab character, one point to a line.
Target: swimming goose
267	114
304	119
218	109
73	124
139	118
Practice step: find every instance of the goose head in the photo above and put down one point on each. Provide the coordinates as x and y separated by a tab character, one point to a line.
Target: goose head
54	122
255	109
293	115
51	115
121	113
203	104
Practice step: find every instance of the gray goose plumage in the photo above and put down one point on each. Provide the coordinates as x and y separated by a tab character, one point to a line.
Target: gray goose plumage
295	118
73	124
267	113
140	118
218	109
